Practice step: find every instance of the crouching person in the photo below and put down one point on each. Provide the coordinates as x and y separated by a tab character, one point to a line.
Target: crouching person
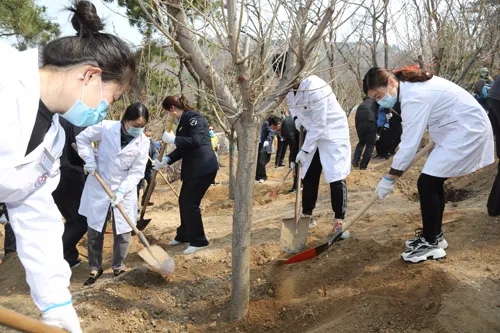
121	160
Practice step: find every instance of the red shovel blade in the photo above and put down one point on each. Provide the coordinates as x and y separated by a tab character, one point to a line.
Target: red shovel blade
314	252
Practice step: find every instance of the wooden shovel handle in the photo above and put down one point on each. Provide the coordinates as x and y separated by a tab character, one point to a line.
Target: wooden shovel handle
155	172
298	166
374	197
23	323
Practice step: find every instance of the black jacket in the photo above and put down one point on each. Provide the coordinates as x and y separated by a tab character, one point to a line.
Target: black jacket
266	134
194	147
153	154
70	160
290	135
495	89
367	111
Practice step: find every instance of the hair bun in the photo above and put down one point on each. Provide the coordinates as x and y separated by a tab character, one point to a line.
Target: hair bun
85	19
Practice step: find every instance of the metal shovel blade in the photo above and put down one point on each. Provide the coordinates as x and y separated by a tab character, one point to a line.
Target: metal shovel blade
142	224
160	261
294	234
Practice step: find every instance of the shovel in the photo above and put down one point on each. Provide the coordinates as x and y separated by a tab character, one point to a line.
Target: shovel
142	222
154	255
166	181
274	193
22	323
294	231
314	252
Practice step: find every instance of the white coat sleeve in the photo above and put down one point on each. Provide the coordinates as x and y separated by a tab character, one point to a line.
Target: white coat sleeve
415	115
136	171
84	142
316	114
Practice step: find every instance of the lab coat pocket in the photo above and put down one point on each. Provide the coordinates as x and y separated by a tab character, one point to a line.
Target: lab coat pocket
126	160
442	129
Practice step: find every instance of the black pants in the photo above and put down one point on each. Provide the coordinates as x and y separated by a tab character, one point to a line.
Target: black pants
67	198
367	132
431	192
263	158
493	204
9	242
191	228
280	152
148	175
338	190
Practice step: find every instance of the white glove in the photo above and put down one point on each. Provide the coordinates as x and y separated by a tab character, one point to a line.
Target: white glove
90	168
118	198
377	137
301	157
64	317
157	165
384	187
265	144
388	116
292	165
168	137
3	219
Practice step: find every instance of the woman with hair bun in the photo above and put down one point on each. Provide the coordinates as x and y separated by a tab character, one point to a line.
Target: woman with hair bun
463	139
198	170
79	77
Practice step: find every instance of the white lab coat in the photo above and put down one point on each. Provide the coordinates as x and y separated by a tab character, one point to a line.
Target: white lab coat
120	168
457	125
319	112
25	187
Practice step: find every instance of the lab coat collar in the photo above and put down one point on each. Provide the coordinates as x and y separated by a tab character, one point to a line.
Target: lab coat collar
133	145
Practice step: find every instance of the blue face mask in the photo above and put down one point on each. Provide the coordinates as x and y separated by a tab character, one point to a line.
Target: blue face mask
135	131
211	133
388	101
81	115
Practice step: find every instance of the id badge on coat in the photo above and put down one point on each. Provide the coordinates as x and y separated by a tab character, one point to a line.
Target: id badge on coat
45	163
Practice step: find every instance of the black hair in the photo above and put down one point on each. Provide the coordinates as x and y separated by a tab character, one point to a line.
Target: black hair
136	111
279	63
92	47
179	101
274	120
377	77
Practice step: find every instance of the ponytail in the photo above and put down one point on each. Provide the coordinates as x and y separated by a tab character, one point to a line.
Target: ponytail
179	101
417	75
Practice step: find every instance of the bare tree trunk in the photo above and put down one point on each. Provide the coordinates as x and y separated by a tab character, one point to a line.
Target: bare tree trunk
242	216
384	34
468	66
438	60
232	165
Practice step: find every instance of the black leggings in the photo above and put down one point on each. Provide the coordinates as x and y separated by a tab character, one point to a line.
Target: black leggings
338	190
431	192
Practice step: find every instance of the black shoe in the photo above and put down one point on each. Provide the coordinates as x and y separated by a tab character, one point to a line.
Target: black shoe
118	272
355	164
94	275
151	203
75	264
293	190
281	165
362	168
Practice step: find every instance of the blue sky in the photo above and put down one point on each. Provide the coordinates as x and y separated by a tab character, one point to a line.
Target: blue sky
114	17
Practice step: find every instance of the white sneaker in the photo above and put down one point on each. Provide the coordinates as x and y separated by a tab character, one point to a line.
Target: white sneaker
338	225
422	251
174	242
192	249
411	243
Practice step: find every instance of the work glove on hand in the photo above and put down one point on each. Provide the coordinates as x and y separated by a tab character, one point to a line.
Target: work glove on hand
89	168
168	137
292	165
265	144
118	198
301	157
384	187
388	116
157	165
64	317
377	137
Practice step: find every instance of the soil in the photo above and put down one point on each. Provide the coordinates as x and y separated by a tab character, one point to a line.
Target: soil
358	285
